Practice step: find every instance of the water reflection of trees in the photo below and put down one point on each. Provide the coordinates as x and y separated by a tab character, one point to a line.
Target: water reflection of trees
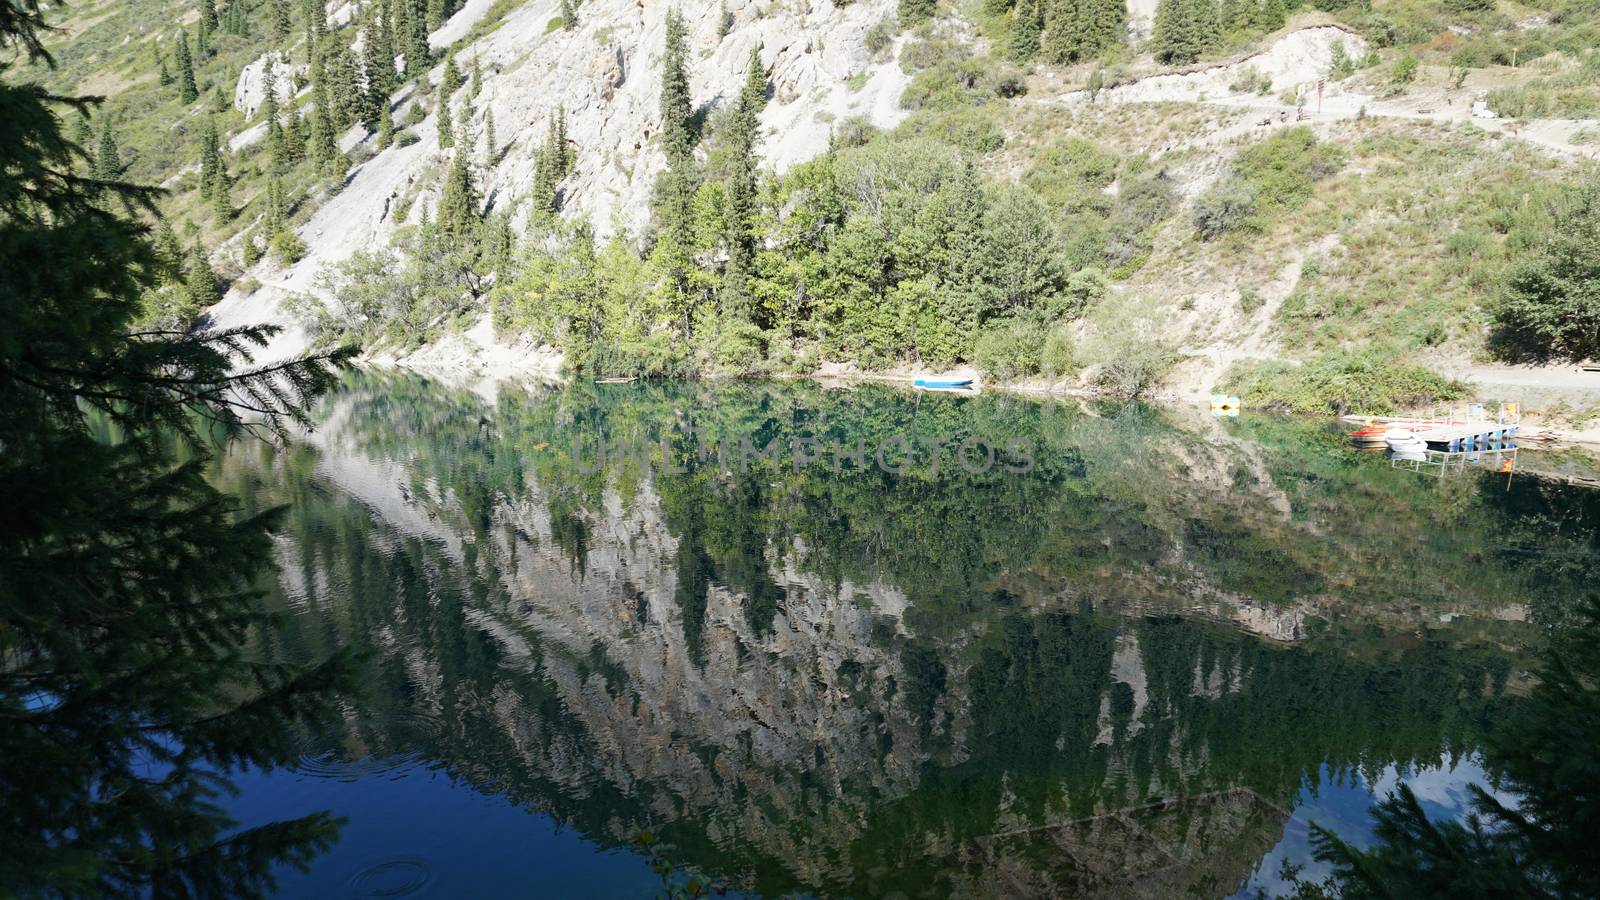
1012	691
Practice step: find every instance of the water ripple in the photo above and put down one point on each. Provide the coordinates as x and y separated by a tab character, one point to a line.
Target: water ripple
391	878
370	748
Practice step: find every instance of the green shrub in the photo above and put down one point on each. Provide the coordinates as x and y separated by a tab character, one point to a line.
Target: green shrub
1008	349
406	138
1132	365
968	81
287	247
1340	381
1287	165
660	355
1231	204
740	348
1549	307
880	37
1059	357
1404	71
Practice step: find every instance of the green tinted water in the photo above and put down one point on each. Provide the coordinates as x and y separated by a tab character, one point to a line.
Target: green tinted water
1135	655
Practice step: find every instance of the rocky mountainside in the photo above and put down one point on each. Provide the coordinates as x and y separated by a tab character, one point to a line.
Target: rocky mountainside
1443	135
605	74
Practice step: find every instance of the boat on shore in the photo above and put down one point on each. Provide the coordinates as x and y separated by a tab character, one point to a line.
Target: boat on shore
943	384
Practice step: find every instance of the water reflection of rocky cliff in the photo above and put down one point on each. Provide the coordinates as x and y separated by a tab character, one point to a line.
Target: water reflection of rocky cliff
939	684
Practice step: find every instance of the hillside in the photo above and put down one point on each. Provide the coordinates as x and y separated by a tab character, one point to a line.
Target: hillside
1346	184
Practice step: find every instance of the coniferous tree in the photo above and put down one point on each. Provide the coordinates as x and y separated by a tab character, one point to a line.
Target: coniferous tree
280	20
249	249
107	161
221	195
676	107
458	201
296	135
491	151
1185	29
83	134
164	76
200	282
385	127
568	153
316	16
741	191
450	78
208	157
346	98
1027	26
1231	15
168	253
274	216
187	91
1109	27
322	145
1207	27
1270	15
417	56
477	78
551	164
129	690
202	42
675	191
277	140
378	52
569	15
997	7
208	17
447	133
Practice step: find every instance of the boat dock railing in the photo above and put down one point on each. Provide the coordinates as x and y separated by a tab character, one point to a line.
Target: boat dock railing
1456	462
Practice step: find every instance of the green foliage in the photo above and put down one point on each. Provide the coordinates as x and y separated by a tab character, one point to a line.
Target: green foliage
107	161
1367	382
287	247
1132	364
916	12
1185	30
1027	28
1079	30
1404	71
1009	349
1549	307
187	91
127	577
1059	357
1277	174
1232	204
967	81
740	349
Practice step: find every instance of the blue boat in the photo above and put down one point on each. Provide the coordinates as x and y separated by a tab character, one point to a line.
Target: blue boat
943	382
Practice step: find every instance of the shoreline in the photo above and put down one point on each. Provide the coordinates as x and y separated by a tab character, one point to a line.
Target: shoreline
542	365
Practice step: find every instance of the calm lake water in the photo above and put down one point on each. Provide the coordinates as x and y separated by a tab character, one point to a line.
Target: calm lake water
1138	654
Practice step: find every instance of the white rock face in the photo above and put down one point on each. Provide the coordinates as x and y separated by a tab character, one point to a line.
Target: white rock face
606	73
251	91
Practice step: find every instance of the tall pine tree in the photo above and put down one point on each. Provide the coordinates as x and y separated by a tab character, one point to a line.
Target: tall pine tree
107	161
674	249
738	302
209	162
187	91
1027	27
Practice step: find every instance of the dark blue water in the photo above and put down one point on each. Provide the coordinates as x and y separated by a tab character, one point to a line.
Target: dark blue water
1140	665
